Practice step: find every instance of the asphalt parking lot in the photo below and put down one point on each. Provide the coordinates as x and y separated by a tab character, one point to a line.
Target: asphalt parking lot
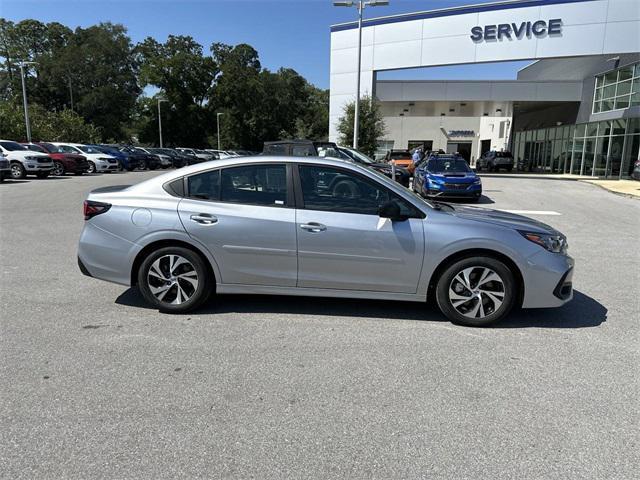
96	385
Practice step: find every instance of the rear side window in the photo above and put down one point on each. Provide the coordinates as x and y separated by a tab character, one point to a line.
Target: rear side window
205	185
255	185
302	151
275	150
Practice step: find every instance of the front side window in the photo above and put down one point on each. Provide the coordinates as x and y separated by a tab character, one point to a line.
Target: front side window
264	185
335	190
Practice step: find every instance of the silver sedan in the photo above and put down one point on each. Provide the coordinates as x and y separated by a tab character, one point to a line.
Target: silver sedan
317	227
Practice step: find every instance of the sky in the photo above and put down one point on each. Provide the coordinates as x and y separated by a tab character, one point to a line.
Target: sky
286	33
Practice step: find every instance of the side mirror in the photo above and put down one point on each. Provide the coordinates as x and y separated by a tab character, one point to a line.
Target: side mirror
391	210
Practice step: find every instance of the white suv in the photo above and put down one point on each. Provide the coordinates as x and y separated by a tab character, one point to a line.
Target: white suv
24	162
98	161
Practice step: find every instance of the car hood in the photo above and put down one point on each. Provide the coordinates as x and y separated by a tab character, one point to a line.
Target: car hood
26	153
504	219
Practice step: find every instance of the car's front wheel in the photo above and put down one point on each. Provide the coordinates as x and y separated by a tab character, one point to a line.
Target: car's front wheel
17	171
476	291
92	167
174	280
58	169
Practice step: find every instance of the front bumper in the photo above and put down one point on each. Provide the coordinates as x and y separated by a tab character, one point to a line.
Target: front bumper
548	280
462	191
38	167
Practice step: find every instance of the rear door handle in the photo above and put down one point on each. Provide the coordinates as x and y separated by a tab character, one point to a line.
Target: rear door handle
204	219
313	227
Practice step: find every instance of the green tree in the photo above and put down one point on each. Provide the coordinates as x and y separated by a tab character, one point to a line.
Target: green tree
45	125
371	125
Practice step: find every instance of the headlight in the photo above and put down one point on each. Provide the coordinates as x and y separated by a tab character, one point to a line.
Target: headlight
477	181
104	159
552	243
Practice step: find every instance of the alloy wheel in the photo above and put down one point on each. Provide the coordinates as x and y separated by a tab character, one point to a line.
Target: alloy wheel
92	167
172	279
476	292
58	169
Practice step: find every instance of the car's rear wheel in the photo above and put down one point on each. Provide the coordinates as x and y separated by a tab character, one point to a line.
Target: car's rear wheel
58	169
174	280
92	167
142	164
476	291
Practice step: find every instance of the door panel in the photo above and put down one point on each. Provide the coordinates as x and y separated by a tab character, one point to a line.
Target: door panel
344	244
359	252
241	215
252	245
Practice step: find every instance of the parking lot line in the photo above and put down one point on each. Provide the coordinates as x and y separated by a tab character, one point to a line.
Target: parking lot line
532	212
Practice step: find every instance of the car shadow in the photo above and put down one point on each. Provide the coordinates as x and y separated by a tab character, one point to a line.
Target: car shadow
9	181
583	311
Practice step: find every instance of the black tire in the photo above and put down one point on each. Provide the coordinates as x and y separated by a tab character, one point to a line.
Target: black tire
1	177
17	171
92	167
508	288
346	189
120	166
58	169
509	169
197	297
142	164
42	174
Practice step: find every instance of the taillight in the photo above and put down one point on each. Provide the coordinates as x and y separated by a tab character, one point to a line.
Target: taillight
91	208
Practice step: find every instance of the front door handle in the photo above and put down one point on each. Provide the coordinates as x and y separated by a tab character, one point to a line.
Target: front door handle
313	227
204	219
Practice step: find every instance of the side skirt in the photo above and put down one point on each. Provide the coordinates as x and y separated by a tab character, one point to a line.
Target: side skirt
317	292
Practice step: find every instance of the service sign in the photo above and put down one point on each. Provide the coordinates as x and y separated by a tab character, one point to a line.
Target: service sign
517	31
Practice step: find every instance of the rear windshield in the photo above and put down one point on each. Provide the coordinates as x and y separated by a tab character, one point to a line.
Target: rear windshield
12	146
448	165
503	154
399	155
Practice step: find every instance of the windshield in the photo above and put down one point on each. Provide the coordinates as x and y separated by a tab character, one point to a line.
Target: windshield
504	154
12	146
358	156
88	149
448	165
394	155
36	148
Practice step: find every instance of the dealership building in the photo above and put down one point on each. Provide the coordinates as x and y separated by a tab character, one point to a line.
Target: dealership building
574	109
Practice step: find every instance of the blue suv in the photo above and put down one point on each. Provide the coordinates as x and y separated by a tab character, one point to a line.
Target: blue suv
447	175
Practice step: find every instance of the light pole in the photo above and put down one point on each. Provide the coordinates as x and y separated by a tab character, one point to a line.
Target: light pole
360	4
160	100
24	98
70	92
218	121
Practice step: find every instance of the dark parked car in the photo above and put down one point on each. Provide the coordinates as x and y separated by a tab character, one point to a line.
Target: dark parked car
143	159
493	161
402	175
635	174
127	162
62	162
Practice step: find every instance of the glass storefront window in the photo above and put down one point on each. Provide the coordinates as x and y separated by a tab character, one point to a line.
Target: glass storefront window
592	129
580	129
632	145
576	160
613	90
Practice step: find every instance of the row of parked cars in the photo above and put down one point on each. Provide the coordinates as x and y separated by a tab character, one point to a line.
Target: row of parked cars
41	159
